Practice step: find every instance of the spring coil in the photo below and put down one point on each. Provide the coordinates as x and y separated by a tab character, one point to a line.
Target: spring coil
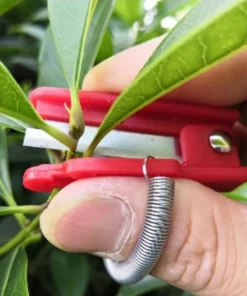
153	237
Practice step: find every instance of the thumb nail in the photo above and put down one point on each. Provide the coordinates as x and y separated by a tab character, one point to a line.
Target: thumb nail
89	224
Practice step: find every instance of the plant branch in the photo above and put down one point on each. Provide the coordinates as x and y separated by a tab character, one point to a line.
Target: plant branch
32	239
26	232
32	210
10	201
77	124
69	155
52	195
60	136
90	150
55	154
20	237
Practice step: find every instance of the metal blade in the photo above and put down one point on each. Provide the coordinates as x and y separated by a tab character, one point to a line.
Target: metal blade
116	143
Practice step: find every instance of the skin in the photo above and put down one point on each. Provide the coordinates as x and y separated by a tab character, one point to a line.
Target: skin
206	249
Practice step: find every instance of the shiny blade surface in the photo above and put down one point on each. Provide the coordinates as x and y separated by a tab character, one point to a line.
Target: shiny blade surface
116	143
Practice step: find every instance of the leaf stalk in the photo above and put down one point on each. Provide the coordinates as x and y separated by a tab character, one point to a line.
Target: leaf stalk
60	136
10	201
31	210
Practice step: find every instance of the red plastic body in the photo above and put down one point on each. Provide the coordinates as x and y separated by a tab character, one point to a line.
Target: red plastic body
44	178
191	124
161	117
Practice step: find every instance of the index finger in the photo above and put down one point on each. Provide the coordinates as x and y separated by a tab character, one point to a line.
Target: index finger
225	84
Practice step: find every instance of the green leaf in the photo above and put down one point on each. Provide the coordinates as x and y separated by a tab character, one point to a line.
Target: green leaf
14	103
187	294
8	229
40	16
106	47
6	5
13	123
26	62
209	33
238	194
77	43
96	32
34	31
146	285
50	71
172	6
24	10
13	270
69	273
5	184
77	53
154	29
122	35
129	12
13	45
166	8
68	21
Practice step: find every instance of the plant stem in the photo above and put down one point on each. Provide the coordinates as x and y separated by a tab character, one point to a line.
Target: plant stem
32	239
55	154
89	151
76	123
25	232
20	237
32	210
52	195
60	136
69	155
23	221
10	201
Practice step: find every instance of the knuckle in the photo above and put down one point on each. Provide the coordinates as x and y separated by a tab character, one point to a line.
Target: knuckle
191	255
194	264
202	254
205	260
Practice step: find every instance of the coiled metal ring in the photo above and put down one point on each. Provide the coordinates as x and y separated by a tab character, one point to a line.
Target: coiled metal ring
154	233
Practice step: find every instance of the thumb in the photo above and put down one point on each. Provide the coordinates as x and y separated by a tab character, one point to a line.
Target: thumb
206	248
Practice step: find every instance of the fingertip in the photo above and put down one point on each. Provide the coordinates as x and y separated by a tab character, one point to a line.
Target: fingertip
95	216
117	72
47	226
56	213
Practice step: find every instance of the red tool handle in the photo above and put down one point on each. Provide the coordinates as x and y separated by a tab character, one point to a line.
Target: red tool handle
220	171
192	125
44	178
161	117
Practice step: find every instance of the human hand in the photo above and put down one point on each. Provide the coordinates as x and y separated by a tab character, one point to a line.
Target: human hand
206	251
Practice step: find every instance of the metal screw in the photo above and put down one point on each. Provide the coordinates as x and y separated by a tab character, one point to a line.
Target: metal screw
221	141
